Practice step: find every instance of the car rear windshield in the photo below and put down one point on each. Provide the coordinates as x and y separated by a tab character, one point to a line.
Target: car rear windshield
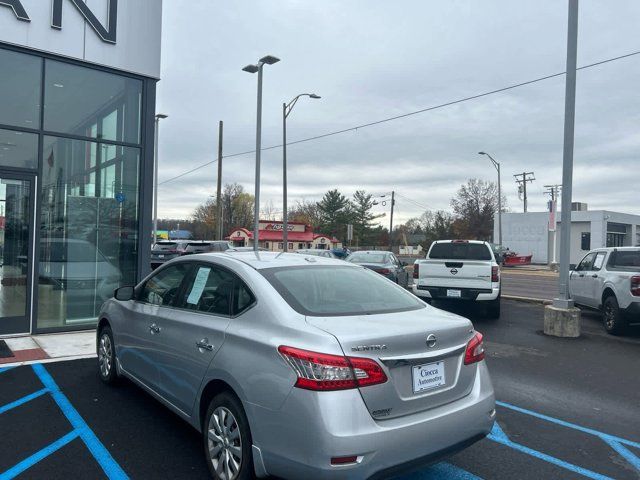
460	251
625	260
164	246
339	291
368	258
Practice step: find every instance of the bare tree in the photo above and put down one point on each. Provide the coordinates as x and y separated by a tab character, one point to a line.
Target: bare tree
475	206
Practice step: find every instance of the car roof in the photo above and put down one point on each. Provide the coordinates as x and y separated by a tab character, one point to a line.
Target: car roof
481	242
611	249
263	260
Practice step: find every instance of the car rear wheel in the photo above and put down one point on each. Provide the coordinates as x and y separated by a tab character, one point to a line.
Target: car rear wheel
107	356
227	439
493	309
611	316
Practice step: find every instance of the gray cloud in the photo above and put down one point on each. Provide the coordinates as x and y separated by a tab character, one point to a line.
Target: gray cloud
374	59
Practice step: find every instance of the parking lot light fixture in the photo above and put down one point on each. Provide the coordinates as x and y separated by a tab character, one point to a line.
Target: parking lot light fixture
286	110
267	60
497	166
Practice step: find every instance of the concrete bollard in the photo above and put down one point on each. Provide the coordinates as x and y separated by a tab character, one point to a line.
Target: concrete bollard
562	322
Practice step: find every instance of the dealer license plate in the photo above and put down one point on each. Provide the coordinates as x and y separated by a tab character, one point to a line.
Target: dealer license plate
160	256
454	293
426	377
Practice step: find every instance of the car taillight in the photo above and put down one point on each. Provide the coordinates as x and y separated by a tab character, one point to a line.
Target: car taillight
324	372
475	350
384	271
495	274
416	270
635	285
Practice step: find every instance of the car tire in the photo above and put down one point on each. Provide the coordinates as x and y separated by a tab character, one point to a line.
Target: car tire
227	439
106	347
612	317
493	309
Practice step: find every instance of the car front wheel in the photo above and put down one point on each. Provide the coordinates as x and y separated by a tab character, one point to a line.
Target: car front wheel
107	356
227	439
612	317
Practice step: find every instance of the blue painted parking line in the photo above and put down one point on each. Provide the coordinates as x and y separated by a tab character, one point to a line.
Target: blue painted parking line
6	369
38	456
80	430
25	399
616	443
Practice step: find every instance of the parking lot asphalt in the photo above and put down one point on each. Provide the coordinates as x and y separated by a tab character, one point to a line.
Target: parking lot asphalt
567	408
542	286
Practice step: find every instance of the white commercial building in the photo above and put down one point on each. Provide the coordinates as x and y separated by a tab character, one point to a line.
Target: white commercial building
528	233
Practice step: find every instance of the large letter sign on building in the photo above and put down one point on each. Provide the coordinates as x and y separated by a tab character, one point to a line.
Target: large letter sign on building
106	34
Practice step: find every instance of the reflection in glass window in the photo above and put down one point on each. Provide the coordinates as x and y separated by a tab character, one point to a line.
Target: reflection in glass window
162	288
91	103
20	79
18	149
88	229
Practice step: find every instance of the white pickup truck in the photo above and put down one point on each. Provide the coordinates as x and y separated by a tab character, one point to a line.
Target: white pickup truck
459	270
608	279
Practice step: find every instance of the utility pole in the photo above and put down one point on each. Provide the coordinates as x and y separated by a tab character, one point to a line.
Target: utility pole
553	191
393	203
562	319
220	223
521	180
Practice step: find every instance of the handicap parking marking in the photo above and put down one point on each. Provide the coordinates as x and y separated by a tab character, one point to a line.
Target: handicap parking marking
618	444
80	430
6	369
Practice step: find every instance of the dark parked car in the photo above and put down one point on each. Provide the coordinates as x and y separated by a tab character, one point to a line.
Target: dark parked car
384	263
166	250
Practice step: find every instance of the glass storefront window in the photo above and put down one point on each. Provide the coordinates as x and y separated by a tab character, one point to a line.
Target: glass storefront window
91	103
88	228
20	79
18	149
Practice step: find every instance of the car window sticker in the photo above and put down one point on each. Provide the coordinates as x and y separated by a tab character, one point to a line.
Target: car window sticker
198	285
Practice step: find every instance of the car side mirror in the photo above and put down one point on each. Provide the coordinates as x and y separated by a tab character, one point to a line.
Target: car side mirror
572	266
124	294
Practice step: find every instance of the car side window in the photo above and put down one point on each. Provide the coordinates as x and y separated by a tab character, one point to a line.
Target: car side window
163	287
242	297
209	291
599	261
586	263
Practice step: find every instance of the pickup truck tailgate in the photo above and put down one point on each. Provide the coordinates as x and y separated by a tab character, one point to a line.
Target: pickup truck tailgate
455	273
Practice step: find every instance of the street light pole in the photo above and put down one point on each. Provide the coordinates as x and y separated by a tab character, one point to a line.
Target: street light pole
159	117
497	166
286	110
268	60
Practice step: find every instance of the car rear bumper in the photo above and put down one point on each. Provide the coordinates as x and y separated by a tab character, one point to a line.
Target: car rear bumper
299	440
469	294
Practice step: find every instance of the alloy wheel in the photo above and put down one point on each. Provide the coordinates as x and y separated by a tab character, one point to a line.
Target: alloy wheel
105	355
225	444
609	317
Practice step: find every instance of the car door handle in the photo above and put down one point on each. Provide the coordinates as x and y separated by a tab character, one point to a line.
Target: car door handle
595	275
581	275
204	345
153	328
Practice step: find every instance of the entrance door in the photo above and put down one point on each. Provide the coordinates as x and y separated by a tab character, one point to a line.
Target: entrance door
16	240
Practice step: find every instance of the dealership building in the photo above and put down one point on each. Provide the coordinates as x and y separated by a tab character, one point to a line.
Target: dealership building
529	233
77	106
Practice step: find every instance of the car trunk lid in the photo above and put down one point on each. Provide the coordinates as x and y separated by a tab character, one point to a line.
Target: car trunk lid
398	342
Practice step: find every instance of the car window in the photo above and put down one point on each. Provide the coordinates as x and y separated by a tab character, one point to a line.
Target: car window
162	288
460	251
586	263
337	291
625	260
242	297
599	260
367	258
208	290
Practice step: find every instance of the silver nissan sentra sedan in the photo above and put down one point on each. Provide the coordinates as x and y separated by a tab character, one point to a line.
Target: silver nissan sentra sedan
298	366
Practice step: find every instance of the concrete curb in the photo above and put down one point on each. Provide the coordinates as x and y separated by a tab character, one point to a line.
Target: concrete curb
540	301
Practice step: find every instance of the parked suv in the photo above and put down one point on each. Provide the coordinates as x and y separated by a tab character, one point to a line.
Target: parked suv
608	279
459	270
166	250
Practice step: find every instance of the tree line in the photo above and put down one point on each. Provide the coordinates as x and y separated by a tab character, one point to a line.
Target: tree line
473	208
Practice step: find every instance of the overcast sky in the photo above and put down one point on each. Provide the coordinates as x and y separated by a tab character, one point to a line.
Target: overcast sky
373	59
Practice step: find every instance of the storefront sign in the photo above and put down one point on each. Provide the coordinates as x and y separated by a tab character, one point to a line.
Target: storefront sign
278	227
107	34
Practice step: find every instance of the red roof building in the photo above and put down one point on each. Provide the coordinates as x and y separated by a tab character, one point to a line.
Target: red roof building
300	236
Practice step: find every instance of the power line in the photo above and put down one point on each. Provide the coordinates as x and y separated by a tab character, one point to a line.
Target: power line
404	115
418	204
